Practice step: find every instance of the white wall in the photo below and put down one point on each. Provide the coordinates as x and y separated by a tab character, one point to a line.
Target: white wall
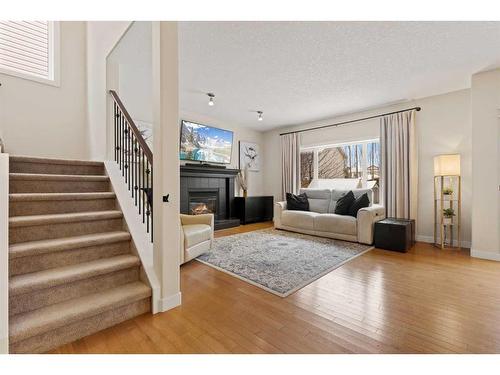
37	119
443	126
485	105
240	133
166	162
4	253
101	38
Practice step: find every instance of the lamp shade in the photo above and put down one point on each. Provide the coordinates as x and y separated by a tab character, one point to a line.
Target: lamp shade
447	165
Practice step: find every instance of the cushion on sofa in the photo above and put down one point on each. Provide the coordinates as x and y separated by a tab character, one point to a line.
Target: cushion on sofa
299	219
337	194
319	199
341	224
297	202
344	203
358	204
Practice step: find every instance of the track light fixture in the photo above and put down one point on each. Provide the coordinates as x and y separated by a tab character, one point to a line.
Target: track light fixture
259	116
211	98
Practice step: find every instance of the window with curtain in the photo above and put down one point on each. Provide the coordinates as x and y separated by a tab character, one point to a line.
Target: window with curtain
28	49
359	160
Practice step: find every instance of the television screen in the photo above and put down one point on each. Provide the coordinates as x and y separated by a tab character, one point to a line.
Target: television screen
205	143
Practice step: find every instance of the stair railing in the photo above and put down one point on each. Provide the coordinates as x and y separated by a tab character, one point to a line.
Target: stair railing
135	160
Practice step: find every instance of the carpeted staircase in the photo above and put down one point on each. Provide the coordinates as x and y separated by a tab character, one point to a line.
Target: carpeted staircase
71	262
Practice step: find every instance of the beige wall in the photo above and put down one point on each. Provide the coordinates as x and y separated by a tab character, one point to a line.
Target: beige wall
37	119
102	36
443	126
255	179
485	106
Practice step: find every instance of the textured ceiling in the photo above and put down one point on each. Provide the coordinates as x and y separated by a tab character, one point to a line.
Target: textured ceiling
298	72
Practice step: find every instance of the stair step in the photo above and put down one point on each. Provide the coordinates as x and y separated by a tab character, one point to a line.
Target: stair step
34	220
40	321
27	257
34	248
39	289
27	164
30	204
57	183
41	227
56	276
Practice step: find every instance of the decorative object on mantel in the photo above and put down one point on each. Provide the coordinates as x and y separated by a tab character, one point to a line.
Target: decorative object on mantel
447	200
249	156
242	179
1	145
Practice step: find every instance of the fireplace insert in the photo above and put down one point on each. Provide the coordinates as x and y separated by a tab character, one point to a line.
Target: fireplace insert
203	202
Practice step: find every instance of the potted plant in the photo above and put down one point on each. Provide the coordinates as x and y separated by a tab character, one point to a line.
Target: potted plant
448	214
447	192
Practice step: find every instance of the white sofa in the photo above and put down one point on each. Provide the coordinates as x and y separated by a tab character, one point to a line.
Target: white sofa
322	221
197	235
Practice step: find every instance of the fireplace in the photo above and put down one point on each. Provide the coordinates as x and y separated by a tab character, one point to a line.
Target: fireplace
203	202
206	189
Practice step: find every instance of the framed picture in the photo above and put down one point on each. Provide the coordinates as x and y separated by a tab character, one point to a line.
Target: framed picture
249	156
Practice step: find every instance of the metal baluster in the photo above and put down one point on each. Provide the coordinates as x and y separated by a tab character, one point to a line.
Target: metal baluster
129	158
139	192
148	212
115	119
132	142
145	207
151	209
135	172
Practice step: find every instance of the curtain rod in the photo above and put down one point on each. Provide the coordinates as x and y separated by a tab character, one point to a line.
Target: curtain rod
351	121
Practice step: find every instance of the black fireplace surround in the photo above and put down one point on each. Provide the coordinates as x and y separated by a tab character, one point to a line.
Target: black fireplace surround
206	189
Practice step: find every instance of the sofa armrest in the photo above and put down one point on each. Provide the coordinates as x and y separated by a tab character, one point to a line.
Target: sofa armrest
279	207
207	219
366	219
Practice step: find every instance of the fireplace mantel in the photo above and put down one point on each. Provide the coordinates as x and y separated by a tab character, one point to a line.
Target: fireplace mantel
196	179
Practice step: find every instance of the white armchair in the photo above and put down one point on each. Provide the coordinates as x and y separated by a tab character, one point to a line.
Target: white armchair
197	234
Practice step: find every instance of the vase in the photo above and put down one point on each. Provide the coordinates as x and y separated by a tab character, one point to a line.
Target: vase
245	193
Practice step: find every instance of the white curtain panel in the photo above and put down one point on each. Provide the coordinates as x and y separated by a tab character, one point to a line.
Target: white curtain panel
290	163
399	165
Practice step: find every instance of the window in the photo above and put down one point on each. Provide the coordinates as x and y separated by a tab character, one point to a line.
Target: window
306	168
360	160
29	49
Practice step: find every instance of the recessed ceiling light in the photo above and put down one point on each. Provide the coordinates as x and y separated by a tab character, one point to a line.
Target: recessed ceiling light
211	98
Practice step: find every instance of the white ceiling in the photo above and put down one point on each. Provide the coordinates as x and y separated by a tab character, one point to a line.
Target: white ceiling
298	72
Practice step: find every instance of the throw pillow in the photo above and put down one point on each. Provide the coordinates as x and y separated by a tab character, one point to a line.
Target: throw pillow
359	203
297	202
344	203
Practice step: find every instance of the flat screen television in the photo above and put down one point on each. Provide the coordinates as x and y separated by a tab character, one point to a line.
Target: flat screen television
205	143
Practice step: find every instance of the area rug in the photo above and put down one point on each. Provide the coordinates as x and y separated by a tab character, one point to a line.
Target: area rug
278	261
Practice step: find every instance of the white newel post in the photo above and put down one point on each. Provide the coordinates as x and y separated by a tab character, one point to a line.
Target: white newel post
4	253
166	162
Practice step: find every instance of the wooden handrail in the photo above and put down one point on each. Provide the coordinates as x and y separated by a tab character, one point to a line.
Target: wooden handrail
135	130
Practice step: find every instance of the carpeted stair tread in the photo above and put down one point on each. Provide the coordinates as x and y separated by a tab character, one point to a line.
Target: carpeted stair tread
34	281
25	325
57	177
25	221
33	248
40	160
31	197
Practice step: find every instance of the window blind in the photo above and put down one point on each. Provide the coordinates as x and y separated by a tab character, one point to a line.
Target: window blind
25	47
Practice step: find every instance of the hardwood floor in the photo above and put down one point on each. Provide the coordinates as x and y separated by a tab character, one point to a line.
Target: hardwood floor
424	301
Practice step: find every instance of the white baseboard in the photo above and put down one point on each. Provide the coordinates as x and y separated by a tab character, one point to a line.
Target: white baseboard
430	239
4	345
489	255
170	302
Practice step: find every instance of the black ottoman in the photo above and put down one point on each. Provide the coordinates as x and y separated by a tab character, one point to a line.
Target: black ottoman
394	234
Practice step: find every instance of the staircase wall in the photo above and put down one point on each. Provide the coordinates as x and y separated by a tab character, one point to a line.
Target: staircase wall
44	120
4	253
